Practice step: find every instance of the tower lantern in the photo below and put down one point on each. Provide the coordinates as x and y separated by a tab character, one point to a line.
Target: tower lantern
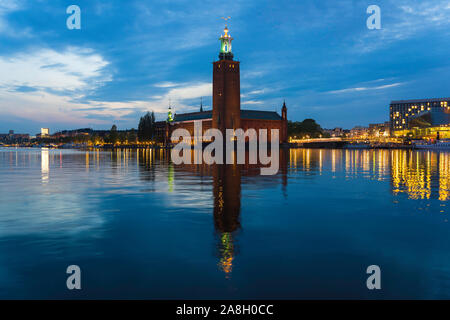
169	114
225	46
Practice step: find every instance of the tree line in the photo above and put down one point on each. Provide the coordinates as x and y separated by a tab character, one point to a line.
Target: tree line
146	131
307	127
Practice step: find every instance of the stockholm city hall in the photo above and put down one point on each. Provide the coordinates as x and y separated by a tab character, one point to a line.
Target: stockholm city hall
226	110
226	113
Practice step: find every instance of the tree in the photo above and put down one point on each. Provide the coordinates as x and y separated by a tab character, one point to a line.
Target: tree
122	137
132	136
93	139
113	136
307	127
146	128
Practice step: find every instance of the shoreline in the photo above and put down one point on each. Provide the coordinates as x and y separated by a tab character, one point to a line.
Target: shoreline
286	146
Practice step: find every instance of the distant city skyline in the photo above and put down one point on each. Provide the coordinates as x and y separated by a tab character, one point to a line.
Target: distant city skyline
129	58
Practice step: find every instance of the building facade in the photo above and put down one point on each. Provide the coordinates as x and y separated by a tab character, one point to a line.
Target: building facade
12	137
359	132
226	110
379	129
432	114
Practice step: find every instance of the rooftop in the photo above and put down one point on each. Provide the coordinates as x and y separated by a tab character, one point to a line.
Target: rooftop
192	116
245	114
420	100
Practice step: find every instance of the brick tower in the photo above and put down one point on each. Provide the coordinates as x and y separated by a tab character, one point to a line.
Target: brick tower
226	88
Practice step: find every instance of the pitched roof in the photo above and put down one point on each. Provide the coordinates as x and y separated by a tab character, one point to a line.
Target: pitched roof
193	116
245	114
260	115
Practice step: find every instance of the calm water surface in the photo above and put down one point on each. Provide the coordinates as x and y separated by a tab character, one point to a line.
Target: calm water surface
140	227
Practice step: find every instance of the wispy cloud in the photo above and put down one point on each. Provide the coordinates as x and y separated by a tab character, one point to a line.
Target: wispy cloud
251	102
165	85
357	89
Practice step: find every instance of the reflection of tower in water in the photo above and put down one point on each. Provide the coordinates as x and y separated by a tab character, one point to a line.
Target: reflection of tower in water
227	206
226	180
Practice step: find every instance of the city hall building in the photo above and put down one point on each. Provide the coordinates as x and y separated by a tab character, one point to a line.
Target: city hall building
226	112
428	117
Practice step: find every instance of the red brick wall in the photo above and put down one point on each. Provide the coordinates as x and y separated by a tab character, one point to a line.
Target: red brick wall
245	125
226	95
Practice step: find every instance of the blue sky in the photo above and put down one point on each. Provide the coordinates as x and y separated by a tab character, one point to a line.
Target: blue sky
133	56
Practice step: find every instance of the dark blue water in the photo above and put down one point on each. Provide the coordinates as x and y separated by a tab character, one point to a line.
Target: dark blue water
141	227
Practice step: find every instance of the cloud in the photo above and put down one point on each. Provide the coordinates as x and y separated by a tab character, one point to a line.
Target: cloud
165	85
259	91
52	86
44	86
46	107
40	85
409	19
356	89
179	95
251	102
73	69
7	7
184	24
190	91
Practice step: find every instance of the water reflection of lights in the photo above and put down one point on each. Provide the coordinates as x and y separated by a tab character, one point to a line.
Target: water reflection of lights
419	174
170	177
44	165
415	172
87	161
444	177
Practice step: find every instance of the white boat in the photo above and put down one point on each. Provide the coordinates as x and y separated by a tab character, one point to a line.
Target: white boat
439	145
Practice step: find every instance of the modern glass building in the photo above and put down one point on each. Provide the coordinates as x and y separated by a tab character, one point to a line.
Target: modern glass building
406	115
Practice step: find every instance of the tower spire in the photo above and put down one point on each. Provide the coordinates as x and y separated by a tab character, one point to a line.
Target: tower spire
284	111
169	113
